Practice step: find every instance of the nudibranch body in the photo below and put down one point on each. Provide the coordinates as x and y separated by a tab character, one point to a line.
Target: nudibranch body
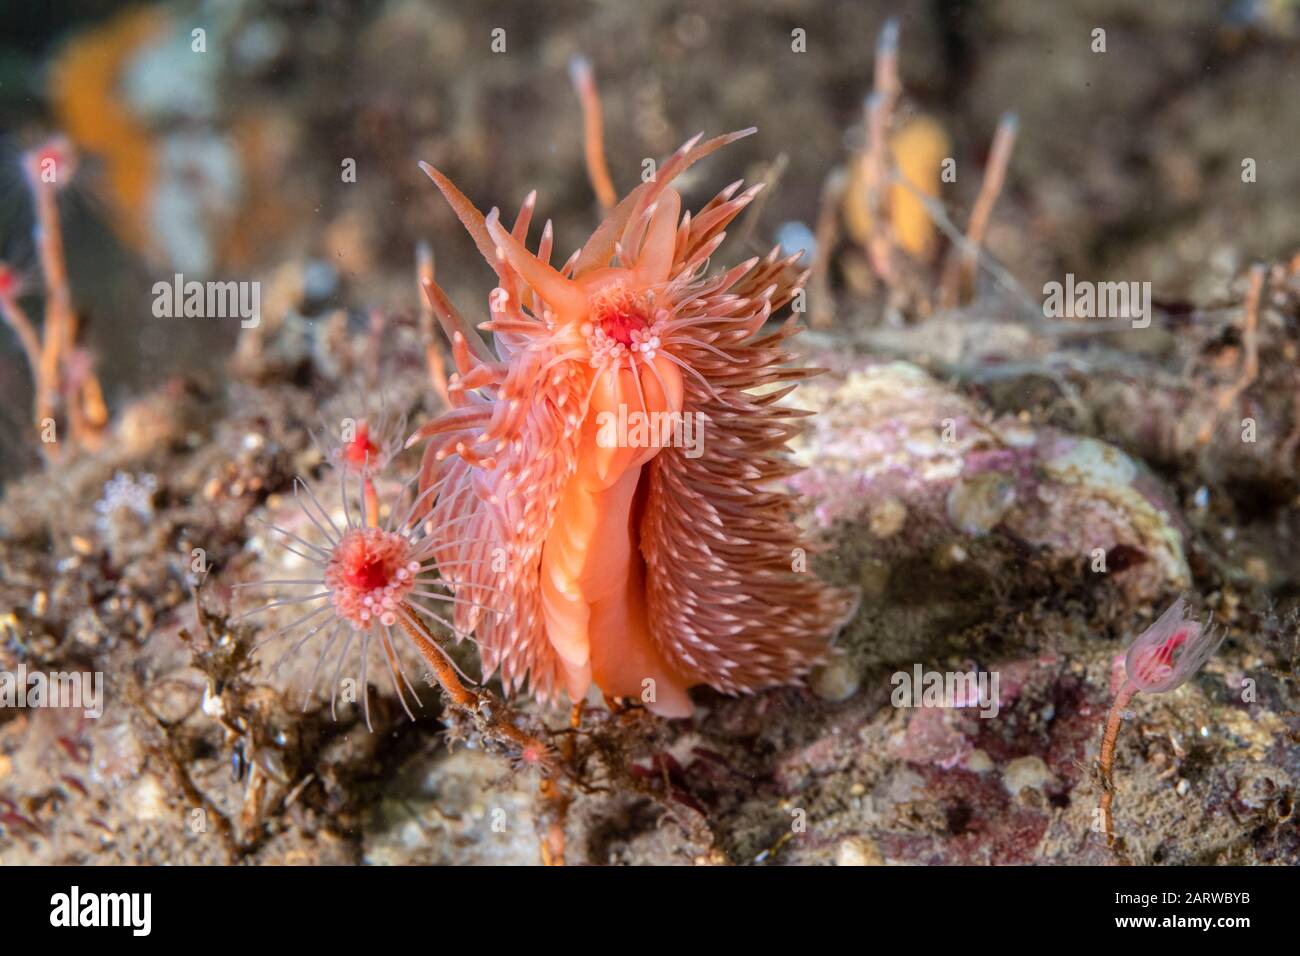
643	566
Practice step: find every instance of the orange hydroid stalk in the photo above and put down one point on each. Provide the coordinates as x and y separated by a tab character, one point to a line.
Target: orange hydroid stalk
1106	758
61	368
16	318
478	704
960	268
581	551
593	132
47	168
432	356
878	116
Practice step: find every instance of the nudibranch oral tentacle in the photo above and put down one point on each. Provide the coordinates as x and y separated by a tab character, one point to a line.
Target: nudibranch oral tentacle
587	544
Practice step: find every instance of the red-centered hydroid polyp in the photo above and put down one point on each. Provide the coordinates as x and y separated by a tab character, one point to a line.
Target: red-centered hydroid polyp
1161	659
371	580
1171	650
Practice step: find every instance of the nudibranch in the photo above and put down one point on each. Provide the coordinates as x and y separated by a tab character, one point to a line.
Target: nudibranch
642	567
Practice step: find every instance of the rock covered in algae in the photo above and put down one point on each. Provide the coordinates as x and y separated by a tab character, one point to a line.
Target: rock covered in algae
920	466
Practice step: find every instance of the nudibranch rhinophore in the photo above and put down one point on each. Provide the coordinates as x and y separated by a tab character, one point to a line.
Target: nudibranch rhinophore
582	548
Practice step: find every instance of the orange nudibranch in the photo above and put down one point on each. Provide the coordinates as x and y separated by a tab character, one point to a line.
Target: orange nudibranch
644	567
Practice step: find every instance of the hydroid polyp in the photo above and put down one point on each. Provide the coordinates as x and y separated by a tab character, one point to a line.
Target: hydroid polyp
1161	659
364	445
371	585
